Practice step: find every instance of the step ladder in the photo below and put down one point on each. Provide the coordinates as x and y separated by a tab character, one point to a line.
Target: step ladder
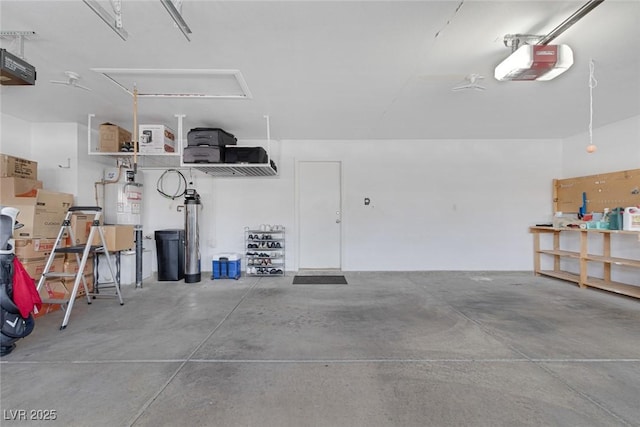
81	253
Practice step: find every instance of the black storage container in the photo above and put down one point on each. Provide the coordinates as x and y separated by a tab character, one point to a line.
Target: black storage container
210	136
170	252
245	155
203	154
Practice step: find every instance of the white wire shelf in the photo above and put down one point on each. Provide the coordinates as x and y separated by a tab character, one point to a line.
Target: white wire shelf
174	160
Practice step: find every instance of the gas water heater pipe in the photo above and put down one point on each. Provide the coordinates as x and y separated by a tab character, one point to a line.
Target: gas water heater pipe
135	130
138	227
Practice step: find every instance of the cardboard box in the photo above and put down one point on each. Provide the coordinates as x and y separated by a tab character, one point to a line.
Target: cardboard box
11	187
34	248
52	289
46	309
118	237
80	227
112	138
68	283
42	215
156	139
71	265
17	167
35	266
89	279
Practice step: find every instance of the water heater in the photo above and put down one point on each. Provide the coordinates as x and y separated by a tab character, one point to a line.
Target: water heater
122	197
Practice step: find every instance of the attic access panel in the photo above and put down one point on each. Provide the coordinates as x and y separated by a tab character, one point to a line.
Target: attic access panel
179	83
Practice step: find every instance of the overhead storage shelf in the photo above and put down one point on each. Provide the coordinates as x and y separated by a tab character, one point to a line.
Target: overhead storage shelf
236	170
145	160
174	160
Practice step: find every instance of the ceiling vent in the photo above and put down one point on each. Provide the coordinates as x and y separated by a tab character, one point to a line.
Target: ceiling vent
535	62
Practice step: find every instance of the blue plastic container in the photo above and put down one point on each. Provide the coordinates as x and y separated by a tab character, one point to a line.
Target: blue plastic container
223	268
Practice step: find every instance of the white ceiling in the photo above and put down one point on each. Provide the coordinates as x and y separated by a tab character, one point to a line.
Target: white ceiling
333	69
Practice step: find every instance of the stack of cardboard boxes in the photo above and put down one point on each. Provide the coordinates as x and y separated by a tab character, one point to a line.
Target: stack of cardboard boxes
41	215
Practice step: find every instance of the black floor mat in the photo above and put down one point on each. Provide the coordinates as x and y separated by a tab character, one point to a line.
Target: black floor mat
319	280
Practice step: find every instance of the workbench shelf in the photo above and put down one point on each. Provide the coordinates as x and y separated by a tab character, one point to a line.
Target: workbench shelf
584	257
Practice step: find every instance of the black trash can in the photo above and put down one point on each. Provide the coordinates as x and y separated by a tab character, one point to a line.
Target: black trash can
170	254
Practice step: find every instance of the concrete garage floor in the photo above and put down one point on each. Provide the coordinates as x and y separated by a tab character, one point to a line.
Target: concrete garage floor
388	349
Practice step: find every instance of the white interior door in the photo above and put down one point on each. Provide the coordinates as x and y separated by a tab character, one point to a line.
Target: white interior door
320	215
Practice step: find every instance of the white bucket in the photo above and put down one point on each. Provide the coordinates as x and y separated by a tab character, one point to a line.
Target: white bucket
631	219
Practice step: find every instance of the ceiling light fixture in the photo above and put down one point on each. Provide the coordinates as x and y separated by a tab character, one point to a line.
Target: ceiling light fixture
540	61
115	23
174	11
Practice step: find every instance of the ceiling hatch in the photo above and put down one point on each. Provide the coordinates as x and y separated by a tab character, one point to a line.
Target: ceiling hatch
179	83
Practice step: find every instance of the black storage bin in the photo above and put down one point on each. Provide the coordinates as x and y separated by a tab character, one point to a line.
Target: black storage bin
210	136
203	154
170	252
245	155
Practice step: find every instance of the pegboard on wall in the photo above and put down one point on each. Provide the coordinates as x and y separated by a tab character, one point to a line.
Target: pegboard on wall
608	190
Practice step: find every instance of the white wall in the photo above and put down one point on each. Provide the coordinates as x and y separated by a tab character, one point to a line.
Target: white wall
54	145
89	169
435	205
439	205
618	149
15	136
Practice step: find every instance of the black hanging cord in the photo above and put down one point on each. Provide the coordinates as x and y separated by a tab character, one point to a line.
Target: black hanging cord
182	186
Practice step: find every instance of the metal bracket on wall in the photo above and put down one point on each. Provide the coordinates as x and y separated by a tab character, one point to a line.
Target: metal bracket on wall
18	37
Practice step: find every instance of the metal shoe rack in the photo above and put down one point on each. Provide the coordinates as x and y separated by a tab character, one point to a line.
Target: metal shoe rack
265	250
